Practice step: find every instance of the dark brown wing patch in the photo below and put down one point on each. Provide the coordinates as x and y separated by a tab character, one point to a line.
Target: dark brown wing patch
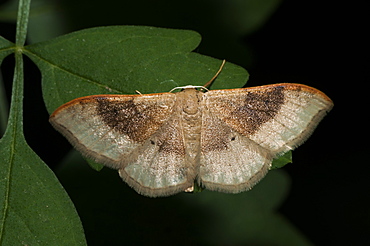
247	112
135	118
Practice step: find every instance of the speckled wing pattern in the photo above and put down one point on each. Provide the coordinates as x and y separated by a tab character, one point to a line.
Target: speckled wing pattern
223	139
245	129
136	134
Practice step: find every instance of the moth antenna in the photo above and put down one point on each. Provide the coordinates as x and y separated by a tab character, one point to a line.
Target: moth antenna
138	92
215	76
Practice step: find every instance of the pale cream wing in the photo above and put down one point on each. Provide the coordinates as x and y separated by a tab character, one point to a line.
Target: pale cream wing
229	161
121	132
160	167
244	129
277	117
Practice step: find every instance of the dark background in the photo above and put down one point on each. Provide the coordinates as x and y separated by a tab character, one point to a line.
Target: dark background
318	43
324	45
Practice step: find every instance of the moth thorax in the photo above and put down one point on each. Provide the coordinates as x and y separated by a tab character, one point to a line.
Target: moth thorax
191	121
190	101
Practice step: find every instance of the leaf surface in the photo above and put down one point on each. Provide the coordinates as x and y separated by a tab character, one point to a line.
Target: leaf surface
123	59
34	208
6	48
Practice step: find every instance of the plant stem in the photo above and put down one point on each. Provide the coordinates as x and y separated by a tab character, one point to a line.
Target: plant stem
22	22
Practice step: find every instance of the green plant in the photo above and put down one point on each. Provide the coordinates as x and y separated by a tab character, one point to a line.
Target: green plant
34	207
36	210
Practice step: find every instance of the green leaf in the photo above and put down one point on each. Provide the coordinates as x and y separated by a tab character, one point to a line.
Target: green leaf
282	160
123	59
6	48
34	208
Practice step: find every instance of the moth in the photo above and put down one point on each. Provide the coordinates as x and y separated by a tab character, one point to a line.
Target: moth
224	140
